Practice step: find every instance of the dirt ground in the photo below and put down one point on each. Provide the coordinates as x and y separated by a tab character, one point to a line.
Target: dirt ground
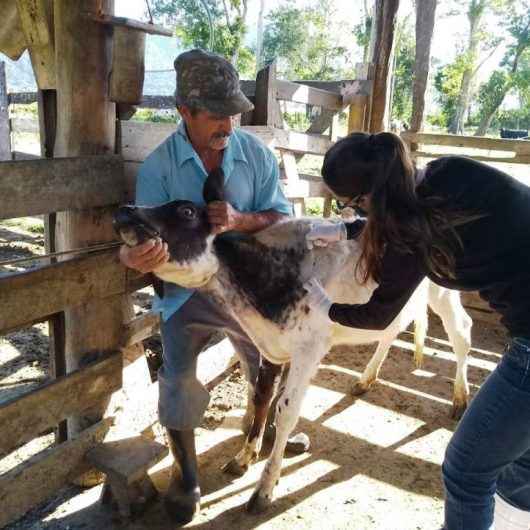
374	462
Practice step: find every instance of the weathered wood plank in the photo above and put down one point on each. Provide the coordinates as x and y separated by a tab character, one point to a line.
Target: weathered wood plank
301	142
127	460
482	158
40	477
5	132
131	23
139	139
62	184
266	106
141	328
36	18
44	407
35	294
474	142
289	91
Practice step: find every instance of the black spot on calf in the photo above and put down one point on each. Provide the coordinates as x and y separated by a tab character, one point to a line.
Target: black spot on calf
269	278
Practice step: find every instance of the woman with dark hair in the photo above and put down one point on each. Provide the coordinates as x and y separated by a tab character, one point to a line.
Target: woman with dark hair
466	226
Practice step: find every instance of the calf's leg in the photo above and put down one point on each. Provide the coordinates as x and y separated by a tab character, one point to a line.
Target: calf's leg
303	367
264	390
372	368
457	323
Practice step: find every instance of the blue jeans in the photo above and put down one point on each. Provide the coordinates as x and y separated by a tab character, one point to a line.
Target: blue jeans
189	331
490	449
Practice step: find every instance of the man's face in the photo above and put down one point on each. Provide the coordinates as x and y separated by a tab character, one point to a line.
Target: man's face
208	130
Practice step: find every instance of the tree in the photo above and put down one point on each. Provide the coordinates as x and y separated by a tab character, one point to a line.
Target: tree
402	72
493	92
447	81
477	36
259	37
191	19
304	41
425	11
363	31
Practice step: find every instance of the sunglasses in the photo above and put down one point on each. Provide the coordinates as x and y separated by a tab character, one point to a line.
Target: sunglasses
352	203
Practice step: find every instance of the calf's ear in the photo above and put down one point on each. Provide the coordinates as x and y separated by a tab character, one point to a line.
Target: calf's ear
214	187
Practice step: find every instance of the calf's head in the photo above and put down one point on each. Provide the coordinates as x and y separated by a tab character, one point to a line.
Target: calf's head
184	226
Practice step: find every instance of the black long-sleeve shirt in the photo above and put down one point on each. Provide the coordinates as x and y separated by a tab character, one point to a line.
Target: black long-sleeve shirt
495	254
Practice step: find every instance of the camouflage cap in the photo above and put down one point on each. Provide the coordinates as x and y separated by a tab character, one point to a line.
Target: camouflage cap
207	80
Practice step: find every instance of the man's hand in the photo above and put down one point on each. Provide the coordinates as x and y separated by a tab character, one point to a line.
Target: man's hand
223	217
145	257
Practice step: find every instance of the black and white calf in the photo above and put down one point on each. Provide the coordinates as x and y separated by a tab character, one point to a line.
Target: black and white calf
259	279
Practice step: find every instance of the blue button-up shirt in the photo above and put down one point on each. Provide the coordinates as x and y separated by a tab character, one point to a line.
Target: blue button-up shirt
175	171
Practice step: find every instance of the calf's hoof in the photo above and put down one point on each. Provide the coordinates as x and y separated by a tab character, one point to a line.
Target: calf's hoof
458	410
358	389
182	506
258	503
235	468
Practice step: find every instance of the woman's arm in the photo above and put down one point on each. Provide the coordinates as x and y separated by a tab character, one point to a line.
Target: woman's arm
401	275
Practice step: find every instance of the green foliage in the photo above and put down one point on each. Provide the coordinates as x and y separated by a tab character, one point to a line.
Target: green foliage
403	74
298	121
514	70
191	23
447	82
152	115
304	42
492	92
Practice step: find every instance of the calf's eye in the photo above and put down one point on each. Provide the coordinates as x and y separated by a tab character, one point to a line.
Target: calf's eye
188	212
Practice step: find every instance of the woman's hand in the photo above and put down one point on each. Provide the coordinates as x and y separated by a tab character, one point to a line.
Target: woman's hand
317	297
322	234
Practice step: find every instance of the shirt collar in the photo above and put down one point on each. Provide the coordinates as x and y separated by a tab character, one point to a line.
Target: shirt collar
185	150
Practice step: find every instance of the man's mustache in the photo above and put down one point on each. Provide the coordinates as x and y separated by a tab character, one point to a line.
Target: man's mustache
221	136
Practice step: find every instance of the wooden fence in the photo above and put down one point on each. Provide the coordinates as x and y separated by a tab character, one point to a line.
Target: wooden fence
44	186
513	151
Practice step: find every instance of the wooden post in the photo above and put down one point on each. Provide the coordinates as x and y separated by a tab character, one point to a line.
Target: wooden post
386	12
128	65
36	17
5	129
267	109
85	126
47	110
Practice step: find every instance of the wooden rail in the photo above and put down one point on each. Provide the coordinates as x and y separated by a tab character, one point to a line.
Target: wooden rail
44	186
36	294
43	408
519	149
35	480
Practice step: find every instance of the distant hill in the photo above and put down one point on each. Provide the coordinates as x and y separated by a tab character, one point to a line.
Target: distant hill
159	75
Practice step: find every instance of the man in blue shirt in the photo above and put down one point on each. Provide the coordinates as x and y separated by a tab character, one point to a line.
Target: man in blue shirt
208	97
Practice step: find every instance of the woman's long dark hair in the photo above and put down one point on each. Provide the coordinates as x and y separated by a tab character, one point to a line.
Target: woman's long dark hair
379	164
